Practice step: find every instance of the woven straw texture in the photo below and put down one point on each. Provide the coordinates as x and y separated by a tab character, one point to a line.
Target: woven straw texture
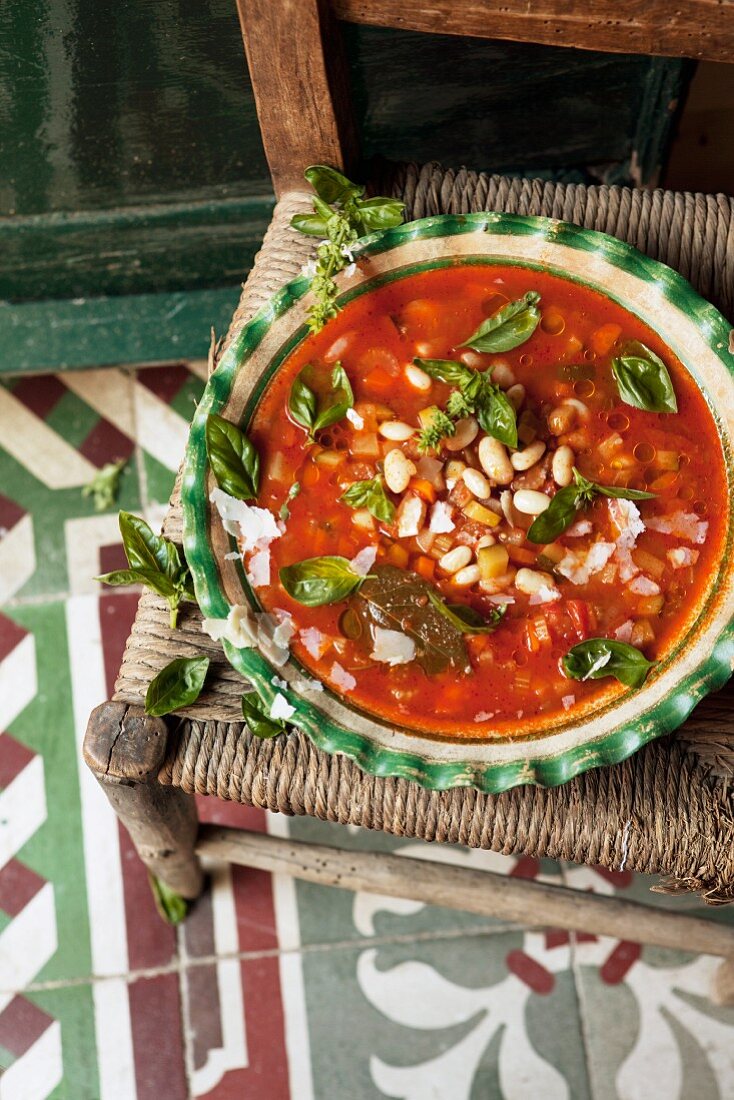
667	810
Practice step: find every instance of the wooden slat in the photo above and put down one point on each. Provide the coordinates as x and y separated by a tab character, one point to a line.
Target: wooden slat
702	29
482	892
300	86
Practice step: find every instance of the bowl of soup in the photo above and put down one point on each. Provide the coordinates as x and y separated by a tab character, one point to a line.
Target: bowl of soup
485	533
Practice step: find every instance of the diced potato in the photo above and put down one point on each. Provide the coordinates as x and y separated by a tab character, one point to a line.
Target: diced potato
476	511
397	555
642	633
650	605
553	552
648	563
366	444
667	460
330	459
493	561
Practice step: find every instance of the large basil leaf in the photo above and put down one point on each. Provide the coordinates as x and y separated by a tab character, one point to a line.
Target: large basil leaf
330	185
314	411
496	415
178	685
258	719
597	658
372	496
311	224
379	213
509	327
398	600
643	380
233	459
465	618
317	581
564	506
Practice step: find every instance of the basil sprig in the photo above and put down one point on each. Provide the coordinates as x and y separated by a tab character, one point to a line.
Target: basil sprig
177	685
643	380
372	496
340	216
597	658
258	719
477	395
316	411
318	581
153	561
508	327
234	461
465	618
562	510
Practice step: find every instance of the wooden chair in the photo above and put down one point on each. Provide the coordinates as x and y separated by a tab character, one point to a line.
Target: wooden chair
667	810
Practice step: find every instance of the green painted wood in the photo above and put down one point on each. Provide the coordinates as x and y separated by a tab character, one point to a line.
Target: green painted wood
143	328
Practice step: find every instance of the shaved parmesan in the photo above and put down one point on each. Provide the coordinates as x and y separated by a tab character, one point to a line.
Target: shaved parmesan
239	628
579	528
281	708
625	515
545	594
643	586
254	528
441	522
392	647
314	642
681	556
628	567
342	678
483	715
501	600
684	525
568	701
623	633
578	565
355	419
410	516
258	570
362	562
307	684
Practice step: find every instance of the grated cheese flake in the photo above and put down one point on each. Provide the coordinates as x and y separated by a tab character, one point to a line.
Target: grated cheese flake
342	678
281	708
392	647
684	525
254	528
362	562
314	642
441	518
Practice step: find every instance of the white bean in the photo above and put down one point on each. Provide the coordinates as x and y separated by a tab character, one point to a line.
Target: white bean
516	395
486	540
476	483
467	576
455	559
562	467
494	460
466	433
503	376
531	502
398	470
471	358
453	470
396	430
531	581
418	378
523	460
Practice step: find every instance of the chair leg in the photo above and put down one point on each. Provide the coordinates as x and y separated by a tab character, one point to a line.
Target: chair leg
722	986
125	748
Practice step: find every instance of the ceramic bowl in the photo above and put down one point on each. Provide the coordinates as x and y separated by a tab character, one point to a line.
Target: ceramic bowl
701	661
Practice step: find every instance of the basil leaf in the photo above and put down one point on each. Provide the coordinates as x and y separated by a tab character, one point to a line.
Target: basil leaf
310	224
318	581
496	415
509	327
446	370
178	685
557	518
313	412
465	618
147	551
622	493
159	582
372	496
379	213
597	658
339	398
234	461
172	908
396	599
643	380
330	185
258	720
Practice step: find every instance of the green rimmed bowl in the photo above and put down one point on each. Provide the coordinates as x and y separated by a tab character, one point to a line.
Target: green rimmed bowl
701	662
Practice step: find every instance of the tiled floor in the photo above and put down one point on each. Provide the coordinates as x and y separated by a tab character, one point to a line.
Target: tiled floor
273	988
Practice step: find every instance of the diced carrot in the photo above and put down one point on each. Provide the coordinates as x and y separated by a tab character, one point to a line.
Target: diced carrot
580	614
531	638
423	488
603	339
520	556
310	475
424	566
379	381
397	555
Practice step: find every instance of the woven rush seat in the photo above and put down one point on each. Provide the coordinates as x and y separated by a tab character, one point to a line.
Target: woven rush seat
667	810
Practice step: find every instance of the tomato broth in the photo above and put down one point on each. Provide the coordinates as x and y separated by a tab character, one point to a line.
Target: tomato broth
631	570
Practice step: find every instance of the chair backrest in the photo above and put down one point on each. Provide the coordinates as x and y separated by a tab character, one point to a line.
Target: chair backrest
299	72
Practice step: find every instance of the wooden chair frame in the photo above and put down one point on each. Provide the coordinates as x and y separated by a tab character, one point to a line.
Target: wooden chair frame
299	77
